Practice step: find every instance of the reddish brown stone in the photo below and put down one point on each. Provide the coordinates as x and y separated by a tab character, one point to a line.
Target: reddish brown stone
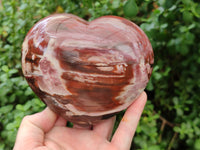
87	71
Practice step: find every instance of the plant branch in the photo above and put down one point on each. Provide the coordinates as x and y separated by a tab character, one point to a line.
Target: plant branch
172	141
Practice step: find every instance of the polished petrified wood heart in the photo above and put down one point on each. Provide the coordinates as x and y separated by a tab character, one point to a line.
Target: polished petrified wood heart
86	71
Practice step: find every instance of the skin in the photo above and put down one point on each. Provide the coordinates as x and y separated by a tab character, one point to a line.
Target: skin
47	131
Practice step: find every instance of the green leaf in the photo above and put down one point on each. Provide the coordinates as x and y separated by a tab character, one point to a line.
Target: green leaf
2	146
10	126
20	107
87	3
28	91
187	16
5	68
12	71
6	109
197	144
179	111
177	129
130	8
23	6
27	106
38	102
12	98
157	75
172	8
150	86
154	147
183	49
195	10
186	2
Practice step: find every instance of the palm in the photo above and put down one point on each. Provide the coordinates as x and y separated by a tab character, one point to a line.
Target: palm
60	137
47	131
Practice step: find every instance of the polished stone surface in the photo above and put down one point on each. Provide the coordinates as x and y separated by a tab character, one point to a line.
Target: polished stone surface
86	71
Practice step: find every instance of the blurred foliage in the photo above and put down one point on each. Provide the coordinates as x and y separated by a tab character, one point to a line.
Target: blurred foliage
171	119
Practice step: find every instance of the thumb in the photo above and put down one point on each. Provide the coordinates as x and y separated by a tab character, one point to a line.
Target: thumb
32	129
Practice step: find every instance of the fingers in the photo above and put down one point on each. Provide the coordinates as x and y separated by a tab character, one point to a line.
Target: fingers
105	127
60	122
126	129
33	127
44	120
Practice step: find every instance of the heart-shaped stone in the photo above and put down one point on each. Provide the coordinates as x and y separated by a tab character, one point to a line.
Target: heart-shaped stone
86	71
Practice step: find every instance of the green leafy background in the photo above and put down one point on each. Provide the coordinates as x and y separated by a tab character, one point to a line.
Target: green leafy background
171	119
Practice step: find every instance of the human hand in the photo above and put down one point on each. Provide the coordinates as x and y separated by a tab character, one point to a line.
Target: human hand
47	131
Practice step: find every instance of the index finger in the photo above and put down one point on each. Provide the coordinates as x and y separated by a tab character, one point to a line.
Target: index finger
126	129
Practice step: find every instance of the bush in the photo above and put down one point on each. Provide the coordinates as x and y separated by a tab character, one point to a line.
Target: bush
171	119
